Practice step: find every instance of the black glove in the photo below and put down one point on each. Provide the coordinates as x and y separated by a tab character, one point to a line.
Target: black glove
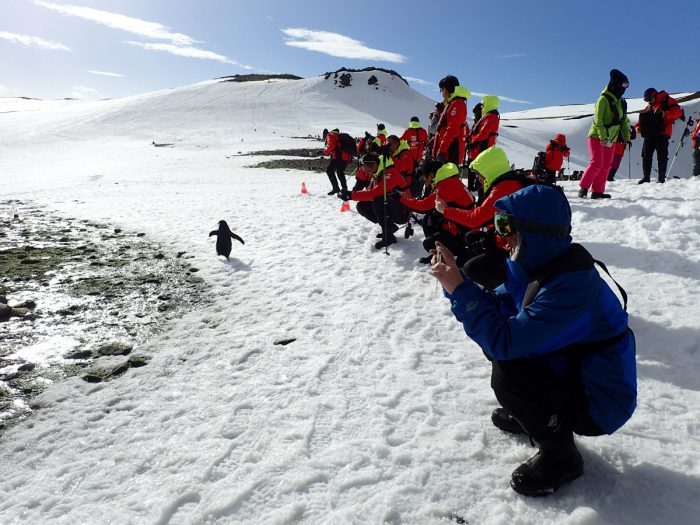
440	157
345	195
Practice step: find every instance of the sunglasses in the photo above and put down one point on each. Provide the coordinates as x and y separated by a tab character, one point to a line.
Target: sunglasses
504	224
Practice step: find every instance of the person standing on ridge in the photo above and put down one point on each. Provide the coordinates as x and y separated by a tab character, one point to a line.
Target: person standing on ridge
450	138
696	149
656	127
609	120
562	354
339	161
417	139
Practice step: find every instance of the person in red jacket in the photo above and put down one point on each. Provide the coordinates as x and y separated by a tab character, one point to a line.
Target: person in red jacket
619	152
403	161
339	161
486	262
450	138
696	150
416	137
554	156
656	126
371	201
444	182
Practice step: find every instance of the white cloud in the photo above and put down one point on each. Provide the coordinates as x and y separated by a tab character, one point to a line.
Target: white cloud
186	51
32	41
503	98
175	43
105	73
84	92
512	55
337	45
143	28
419	81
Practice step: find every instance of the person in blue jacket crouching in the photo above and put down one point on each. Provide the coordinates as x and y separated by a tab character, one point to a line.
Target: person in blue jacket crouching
562	355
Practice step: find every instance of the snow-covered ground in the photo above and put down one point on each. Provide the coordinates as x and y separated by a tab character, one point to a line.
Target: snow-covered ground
379	411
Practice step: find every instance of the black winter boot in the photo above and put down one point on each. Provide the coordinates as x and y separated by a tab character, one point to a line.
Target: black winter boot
503	419
391	239
642	181
582	193
557	462
600	195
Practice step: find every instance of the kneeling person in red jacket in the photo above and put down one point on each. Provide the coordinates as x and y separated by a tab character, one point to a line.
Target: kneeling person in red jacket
371	202
444	182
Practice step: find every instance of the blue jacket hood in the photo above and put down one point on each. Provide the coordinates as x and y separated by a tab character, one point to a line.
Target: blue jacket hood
541	204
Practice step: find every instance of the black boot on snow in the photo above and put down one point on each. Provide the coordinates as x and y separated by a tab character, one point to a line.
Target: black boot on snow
556	463
334	191
582	193
389	241
600	195
642	181
408	231
503	419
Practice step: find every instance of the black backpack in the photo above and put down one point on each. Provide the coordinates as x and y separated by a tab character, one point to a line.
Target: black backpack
348	145
651	123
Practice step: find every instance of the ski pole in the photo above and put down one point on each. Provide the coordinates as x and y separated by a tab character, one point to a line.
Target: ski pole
386	218
686	132
629	160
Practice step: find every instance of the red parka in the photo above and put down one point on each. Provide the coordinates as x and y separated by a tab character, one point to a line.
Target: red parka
482	216
417	139
696	135
394	180
556	151
672	111
484	134
452	124
450	190
333	149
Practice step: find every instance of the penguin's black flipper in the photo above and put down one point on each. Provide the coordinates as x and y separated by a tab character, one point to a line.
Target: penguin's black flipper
215	232
234	236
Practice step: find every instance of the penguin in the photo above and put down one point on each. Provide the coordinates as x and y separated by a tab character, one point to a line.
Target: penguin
223	239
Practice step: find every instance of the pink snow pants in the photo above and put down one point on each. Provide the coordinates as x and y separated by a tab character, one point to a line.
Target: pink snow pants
596	174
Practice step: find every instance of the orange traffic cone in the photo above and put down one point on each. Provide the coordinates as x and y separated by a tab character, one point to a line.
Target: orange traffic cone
345	206
303	189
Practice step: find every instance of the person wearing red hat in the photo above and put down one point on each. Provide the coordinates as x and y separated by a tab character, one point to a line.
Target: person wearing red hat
656	127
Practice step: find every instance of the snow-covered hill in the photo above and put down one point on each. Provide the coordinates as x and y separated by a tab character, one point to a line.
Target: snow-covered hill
379	411
220	112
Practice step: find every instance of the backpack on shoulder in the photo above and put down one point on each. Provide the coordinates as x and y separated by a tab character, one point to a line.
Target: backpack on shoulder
348	144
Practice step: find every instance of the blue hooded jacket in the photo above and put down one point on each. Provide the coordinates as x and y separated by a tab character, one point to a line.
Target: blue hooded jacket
574	307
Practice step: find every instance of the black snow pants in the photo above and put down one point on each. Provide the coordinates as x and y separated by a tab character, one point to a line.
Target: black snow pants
373	211
543	402
660	146
336	168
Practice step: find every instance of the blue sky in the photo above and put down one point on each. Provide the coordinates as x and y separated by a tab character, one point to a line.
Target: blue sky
531	53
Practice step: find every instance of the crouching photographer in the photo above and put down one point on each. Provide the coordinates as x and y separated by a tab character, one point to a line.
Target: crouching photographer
562	355
442	181
380	202
486	266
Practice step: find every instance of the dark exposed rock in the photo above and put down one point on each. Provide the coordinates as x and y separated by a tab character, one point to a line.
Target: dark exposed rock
114	348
